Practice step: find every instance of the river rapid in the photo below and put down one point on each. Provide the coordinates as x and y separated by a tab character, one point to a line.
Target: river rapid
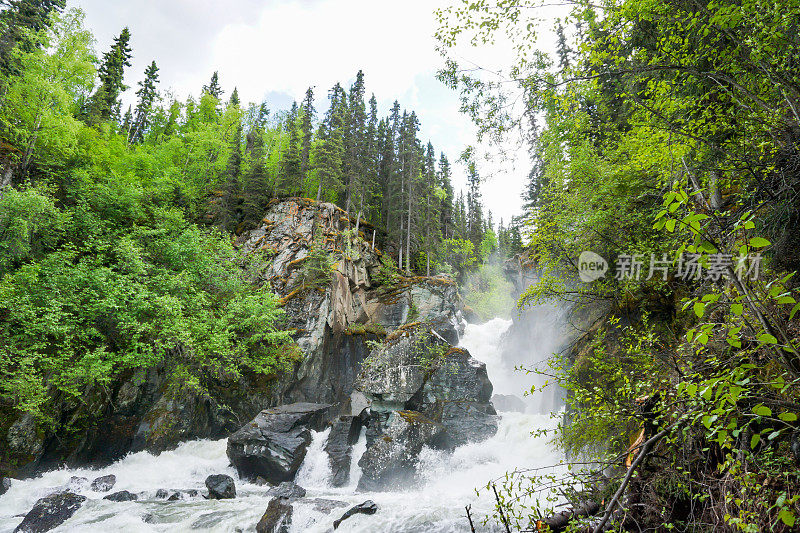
448	479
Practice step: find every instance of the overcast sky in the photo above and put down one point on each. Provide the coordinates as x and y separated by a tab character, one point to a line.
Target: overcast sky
274	49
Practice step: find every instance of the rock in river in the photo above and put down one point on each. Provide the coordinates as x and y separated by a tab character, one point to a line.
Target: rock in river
368	507
104	483
122	496
273	445
220	487
277	518
390	461
50	512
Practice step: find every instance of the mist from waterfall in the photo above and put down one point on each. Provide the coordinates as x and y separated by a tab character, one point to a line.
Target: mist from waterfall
447	480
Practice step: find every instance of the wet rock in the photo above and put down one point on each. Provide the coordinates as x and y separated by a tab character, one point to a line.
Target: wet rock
326	506
390	461
162	494
273	445
344	434
457	394
5	484
104	483
368	507
220	487
288	490
50	512
508	403
76	483
122	496
277	518
174	497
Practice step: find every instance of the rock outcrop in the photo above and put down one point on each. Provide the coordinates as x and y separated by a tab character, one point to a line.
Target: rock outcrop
273	445
421	391
390	462
335	318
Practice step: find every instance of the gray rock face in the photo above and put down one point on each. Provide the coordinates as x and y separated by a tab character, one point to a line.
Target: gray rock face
50	512
344	434
220	487
421	391
508	403
390	462
277	518
422	373
104	483
288	490
121	496
457	394
273	445
368	507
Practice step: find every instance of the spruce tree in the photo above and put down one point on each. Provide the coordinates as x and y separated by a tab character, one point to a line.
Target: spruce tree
307	136
291	180
213	88
355	181
147	96
331	146
235	101
104	103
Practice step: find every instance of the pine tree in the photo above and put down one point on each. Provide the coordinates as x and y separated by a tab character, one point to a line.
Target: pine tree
475	227
213	88
307	134
291	175
330	148
234	101
127	122
147	95
104	103
446	210
355	182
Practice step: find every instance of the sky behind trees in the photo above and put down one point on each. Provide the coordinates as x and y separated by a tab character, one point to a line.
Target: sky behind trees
274	50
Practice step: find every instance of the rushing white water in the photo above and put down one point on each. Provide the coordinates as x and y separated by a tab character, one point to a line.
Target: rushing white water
437	505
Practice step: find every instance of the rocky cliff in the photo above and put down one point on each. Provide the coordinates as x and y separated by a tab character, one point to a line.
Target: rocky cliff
338	298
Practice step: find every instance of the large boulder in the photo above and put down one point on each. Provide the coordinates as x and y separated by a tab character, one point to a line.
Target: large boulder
457	393
273	445
277	518
50	512
390	461
421	372
220	487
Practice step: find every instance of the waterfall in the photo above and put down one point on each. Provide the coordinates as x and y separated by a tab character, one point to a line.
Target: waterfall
447	479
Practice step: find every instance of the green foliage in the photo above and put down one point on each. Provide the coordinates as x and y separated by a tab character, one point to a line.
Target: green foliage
668	130
102	302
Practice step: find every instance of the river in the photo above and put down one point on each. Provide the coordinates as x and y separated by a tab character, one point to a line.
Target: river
436	505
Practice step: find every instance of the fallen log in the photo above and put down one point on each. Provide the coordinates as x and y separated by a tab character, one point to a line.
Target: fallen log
560	522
